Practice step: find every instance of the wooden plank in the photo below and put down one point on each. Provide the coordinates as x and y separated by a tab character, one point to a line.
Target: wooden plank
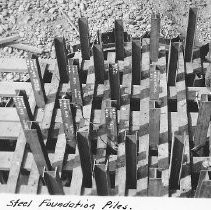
10	130
16	164
125	119
26	47
194	67
134	127
163	147
181	97
101	135
111	57
19	64
88	95
174	122
193	93
101	145
83	133
111	46
96	120
185	181
6	40
143	135
200	135
27	164
39	111
51	100
29	158
33	186
5	158
18	155
159	151
145	54
8	90
120	178
77	175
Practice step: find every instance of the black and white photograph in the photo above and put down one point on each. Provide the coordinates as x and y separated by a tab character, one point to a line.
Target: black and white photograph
104	99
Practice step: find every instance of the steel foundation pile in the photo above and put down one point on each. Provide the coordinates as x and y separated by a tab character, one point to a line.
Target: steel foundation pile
126	117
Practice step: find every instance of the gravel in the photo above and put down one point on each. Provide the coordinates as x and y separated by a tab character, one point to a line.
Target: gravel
39	21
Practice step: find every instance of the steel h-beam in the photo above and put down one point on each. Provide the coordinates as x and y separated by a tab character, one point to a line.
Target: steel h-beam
154	82
131	161
86	157
61	55
119	40
154	127
36	80
136	61
35	140
68	122
23	108
99	38
75	85
102	179
53	182
177	152
114	79
111	126
189	41
99	63
155	186
84	38
172	63
154	37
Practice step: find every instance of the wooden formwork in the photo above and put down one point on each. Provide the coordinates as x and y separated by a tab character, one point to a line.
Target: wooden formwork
132	121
